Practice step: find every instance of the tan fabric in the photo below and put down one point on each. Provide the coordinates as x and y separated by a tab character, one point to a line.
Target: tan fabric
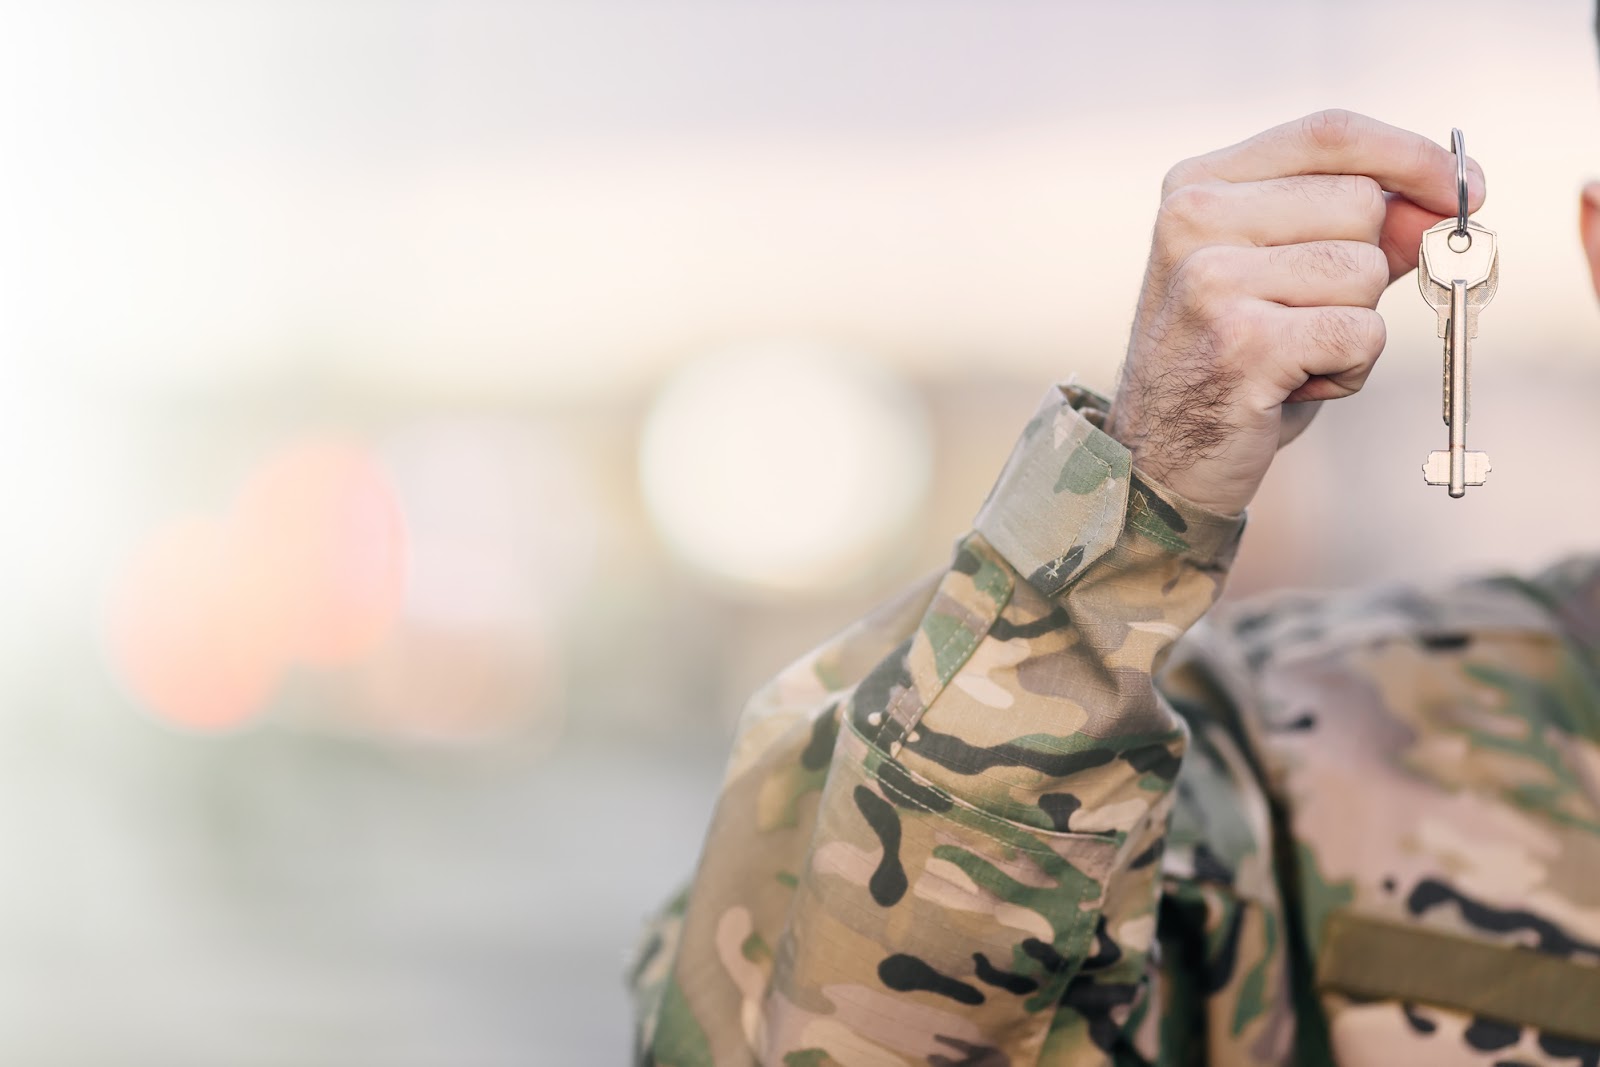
1007	820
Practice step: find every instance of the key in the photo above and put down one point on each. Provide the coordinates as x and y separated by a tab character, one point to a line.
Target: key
1458	274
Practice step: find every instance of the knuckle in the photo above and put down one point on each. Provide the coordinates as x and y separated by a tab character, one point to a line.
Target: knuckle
1374	331
1205	274
1311	188
1291	259
1188	205
1356	334
1368	197
1235	329
1372	266
1311	263
1182	173
1164	263
1328	129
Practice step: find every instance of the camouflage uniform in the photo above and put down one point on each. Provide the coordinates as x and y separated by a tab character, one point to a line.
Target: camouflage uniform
976	828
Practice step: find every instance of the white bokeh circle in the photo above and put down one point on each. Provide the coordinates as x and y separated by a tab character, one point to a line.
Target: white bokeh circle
785	466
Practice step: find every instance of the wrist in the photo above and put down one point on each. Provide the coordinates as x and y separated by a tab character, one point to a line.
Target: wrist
1069	495
1193	459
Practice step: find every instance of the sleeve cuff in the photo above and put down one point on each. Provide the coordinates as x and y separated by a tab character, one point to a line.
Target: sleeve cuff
1069	493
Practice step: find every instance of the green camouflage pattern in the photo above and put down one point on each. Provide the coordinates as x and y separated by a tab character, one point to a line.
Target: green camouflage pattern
1011	818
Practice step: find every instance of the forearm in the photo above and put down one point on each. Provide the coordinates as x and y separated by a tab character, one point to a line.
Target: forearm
1063	687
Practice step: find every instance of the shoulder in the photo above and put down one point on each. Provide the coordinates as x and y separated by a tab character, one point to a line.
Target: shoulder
1291	626
1267	684
1241	644
1431	752
1294	660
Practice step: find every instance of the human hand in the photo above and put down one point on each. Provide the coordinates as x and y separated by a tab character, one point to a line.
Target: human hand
1258	301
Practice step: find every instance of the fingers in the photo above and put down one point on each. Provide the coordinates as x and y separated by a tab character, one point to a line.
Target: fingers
1267	261
1297	319
1275	211
1321	353
1327	331
1313	274
1401	236
1318	178
1342	142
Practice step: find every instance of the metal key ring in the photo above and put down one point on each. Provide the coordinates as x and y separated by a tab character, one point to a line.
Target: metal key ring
1458	145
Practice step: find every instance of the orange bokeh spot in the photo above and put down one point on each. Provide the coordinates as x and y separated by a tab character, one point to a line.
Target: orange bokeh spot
307	568
177	634
323	531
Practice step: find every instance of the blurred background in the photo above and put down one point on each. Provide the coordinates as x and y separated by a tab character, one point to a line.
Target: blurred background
422	423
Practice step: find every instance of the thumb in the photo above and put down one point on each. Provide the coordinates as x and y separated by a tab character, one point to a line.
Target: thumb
1401	237
1405	222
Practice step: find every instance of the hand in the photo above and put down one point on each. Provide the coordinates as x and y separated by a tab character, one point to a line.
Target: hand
1258	301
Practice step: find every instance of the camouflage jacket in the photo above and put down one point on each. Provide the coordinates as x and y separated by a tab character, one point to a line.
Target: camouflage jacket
1010	819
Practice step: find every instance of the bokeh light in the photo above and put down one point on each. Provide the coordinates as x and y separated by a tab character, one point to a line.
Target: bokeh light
784	466
501	526
502	535
324	547
181	629
305	569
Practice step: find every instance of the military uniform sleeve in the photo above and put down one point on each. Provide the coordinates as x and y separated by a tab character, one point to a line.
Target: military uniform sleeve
939	838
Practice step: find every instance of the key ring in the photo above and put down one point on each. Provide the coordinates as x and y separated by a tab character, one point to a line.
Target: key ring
1458	145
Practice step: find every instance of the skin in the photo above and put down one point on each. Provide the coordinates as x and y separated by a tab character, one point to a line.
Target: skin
1258	302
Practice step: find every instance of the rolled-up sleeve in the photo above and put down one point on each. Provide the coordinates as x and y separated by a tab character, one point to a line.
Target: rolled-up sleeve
948	851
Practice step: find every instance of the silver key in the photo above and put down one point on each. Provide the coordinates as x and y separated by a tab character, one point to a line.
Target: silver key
1458	271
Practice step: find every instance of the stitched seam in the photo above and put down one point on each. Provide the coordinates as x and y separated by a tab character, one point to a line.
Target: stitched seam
1106	503
1107	495
891	714
1035	848
1210	526
1007	782
979	813
1105	514
973	635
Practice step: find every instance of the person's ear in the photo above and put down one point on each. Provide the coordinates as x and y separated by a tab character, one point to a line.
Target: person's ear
1589	230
